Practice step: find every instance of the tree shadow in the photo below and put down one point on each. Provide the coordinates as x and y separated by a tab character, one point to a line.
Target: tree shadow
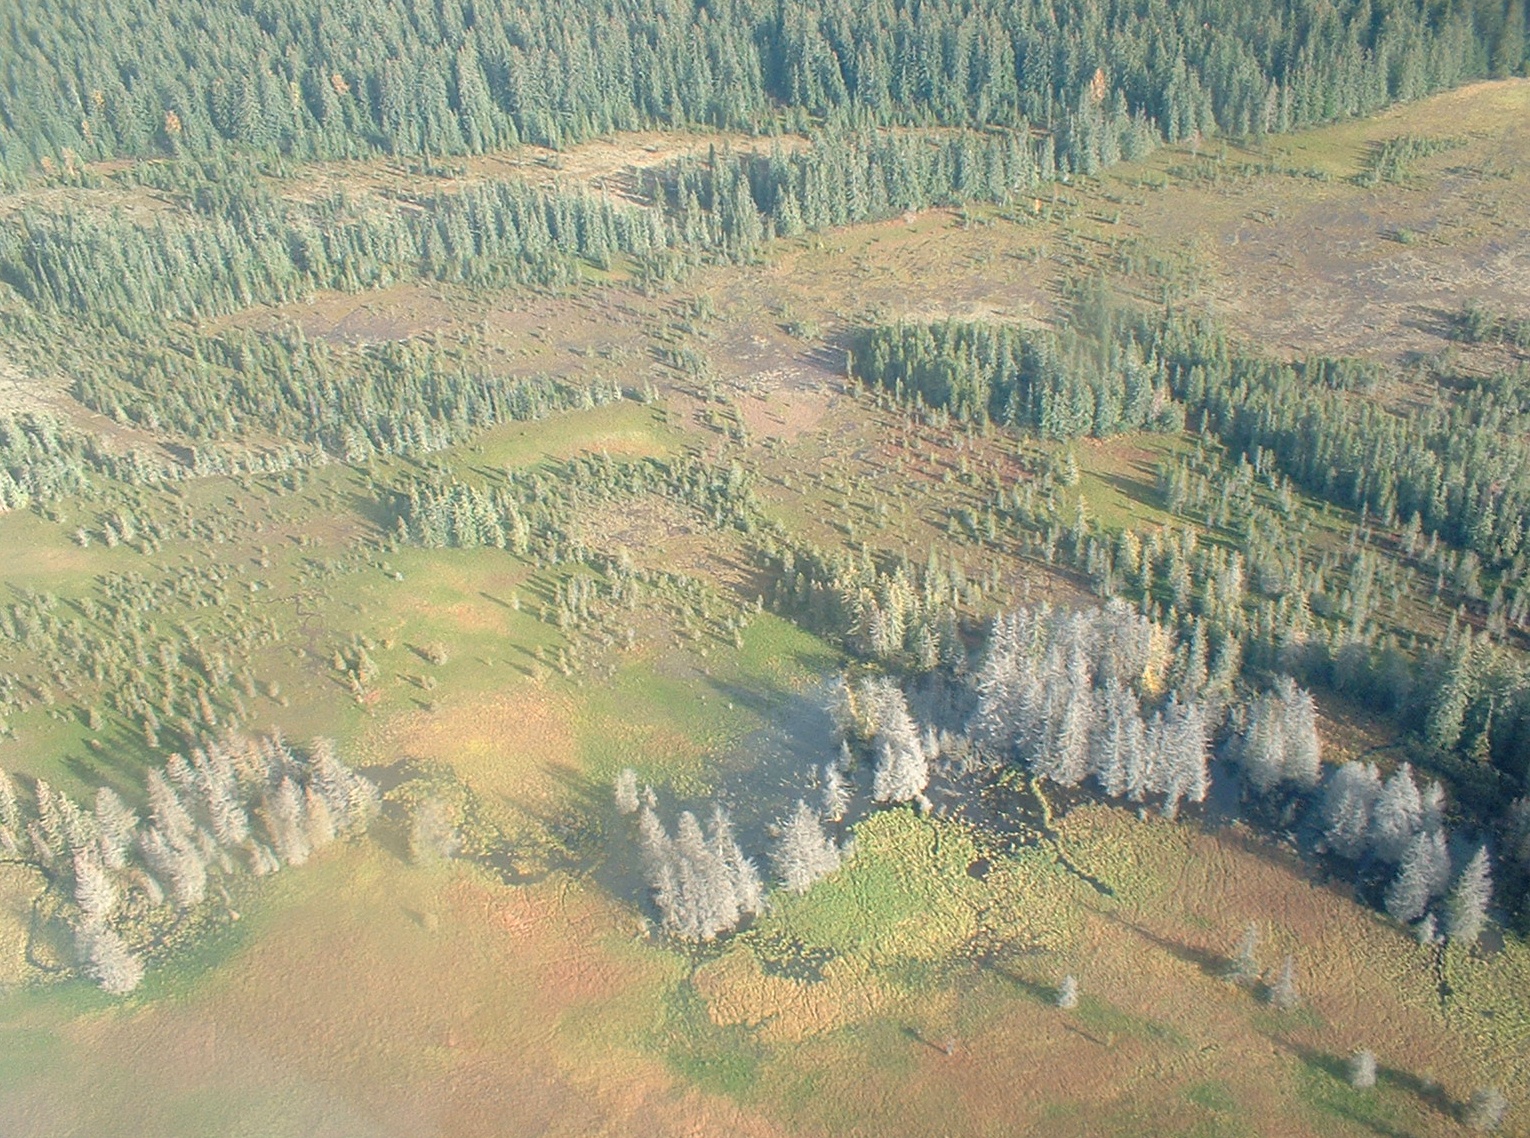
946	1047
1210	963
1426	1091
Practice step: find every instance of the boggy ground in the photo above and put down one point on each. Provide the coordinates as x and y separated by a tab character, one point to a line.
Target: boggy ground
911	993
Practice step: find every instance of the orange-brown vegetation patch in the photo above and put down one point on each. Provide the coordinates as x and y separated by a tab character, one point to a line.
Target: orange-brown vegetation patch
510	748
614	165
391	1002
661	534
1304	265
783	1010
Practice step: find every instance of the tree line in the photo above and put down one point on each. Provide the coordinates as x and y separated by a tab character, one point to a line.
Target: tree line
88	80
1459	468
232	242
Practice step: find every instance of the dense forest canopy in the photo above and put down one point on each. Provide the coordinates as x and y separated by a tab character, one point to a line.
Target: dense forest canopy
90	80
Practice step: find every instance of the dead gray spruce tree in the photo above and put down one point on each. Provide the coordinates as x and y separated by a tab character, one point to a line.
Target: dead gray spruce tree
1422	876
804	853
1466	907
1362	1070
627	801
1243	966
1283	994
836	793
1067	993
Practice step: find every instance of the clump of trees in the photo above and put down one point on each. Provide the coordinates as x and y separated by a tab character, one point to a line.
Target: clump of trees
1279	741
1081	380
701	882
234	805
1065	694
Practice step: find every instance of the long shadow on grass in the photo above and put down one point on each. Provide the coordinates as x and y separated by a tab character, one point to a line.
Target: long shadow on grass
1351	1104
1211	963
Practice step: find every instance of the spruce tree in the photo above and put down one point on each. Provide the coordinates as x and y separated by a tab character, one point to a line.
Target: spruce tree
1421	876
743	879
1261	750
1485	1109
108	960
1283	993
1067	993
836	793
1348	801
1396	816
1466	907
626	791
903	770
116	824
94	891
1243	966
1303	762
804	853
1362	1070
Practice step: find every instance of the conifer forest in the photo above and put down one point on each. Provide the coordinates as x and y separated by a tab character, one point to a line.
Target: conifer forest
745	567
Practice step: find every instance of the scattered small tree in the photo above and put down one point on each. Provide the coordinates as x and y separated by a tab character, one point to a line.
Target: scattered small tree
1283	993
1362	1070
432	837
1485	1109
627	801
1067	993
1428	931
1243	967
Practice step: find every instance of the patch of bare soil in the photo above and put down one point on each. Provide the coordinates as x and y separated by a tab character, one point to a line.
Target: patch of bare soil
614	165
21	393
393	313
1301	264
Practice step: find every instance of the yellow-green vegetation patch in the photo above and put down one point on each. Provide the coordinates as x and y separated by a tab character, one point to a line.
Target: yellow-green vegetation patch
1117	479
902	919
660	723
1340	150
1136	859
20	887
777	653
622	430
1487	1005
665	714
1324	1090
906	894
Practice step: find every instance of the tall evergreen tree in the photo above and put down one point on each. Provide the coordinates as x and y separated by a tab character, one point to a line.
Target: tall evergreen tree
1397	815
1466	907
1348	800
804	853
1422	876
